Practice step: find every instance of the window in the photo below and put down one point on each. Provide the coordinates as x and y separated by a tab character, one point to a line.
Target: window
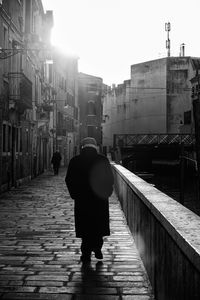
9	138
91	110
70	99
50	73
6	5
5	46
5	38
4	138
76	113
27	140
27	15
65	85
36	89
187	117
91	120
91	131
92	87
34	23
17	139
20	137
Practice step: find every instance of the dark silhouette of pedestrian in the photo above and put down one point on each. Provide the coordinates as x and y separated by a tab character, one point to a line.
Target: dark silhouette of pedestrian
90	181
56	161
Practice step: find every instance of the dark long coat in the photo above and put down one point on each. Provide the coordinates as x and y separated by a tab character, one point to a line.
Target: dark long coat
90	183
56	159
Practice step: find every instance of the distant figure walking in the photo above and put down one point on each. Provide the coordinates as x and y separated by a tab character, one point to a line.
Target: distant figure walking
56	161
90	181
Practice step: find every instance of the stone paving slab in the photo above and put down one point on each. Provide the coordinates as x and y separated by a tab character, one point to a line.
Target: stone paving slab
40	256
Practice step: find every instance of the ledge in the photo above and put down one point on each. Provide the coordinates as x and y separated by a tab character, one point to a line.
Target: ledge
182	224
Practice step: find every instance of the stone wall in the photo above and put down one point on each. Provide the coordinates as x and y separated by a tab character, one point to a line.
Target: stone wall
167	236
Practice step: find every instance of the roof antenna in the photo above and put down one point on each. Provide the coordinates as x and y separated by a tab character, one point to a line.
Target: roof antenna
168	28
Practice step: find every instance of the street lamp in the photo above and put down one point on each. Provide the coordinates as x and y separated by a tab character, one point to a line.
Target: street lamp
6	53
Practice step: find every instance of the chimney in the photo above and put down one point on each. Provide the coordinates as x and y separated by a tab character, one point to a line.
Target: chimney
182	50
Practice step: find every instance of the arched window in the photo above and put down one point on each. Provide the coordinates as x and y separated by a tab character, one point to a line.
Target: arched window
91	109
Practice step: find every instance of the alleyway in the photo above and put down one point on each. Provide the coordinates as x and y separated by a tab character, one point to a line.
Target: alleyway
40	256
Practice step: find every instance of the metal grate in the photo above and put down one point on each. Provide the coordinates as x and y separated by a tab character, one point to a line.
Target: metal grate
128	140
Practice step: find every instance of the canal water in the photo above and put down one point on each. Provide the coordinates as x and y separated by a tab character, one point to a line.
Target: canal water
168	180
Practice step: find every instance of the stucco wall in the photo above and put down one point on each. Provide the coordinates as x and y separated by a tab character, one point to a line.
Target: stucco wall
138	105
148	86
89	90
179	95
154	100
117	112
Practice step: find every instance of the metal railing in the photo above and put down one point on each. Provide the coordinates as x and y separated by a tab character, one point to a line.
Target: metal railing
129	140
20	89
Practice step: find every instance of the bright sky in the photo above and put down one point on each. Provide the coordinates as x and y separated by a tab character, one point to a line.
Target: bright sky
111	35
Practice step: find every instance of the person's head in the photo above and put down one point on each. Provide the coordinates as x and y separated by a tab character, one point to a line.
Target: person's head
89	142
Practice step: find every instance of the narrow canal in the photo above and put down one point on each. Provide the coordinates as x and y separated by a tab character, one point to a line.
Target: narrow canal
168	180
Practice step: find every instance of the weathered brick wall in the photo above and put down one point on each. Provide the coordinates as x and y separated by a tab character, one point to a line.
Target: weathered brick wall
167	236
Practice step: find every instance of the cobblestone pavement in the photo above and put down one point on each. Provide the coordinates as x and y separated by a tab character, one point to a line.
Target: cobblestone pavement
40	256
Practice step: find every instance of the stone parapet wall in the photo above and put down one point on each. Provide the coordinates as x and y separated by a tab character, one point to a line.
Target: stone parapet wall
167	236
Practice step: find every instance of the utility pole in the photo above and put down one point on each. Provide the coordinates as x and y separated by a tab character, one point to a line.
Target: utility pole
168	28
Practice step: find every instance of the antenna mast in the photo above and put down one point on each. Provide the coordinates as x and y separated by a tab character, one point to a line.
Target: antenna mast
168	28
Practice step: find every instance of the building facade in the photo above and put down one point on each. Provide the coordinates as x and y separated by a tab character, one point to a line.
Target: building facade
90	105
157	99
36	82
66	114
24	152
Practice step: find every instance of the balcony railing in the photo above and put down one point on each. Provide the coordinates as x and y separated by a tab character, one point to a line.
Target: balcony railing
20	90
45	106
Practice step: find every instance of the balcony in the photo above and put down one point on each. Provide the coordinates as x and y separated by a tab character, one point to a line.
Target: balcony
47	107
92	120
20	91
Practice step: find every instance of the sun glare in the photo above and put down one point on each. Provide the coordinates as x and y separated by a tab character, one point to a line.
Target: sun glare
62	44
